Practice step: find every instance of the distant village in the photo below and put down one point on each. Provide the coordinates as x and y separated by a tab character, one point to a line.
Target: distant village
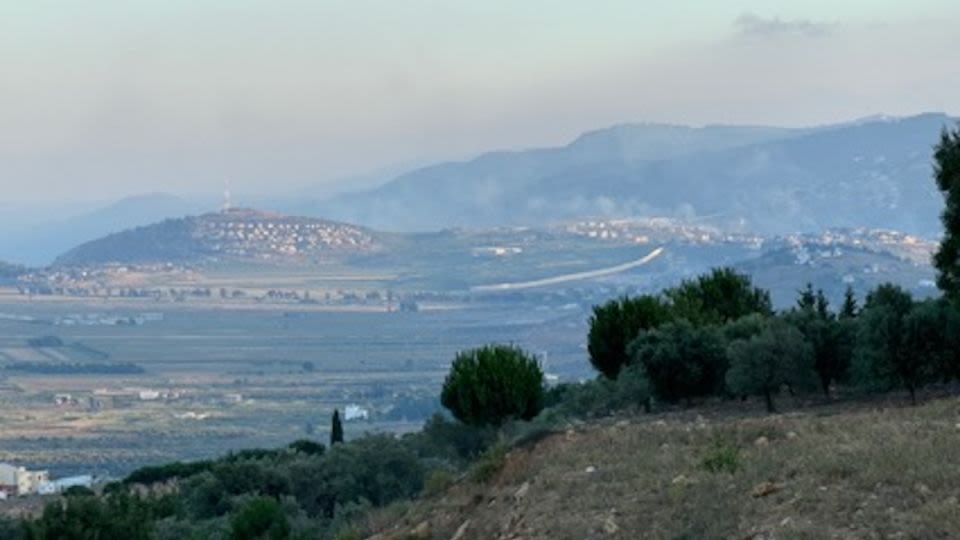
252	234
651	230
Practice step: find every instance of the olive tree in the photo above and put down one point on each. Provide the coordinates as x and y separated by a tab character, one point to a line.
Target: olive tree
777	356
893	341
681	361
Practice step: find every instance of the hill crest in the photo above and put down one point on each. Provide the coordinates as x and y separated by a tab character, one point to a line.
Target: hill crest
238	234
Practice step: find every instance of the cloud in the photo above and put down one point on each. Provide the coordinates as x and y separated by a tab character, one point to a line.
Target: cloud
752	25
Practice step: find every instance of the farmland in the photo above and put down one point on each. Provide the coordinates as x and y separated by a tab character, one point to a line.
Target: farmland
216	378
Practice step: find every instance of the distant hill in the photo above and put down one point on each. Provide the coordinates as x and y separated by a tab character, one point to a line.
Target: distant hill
241	234
576	256
871	173
9	272
39	245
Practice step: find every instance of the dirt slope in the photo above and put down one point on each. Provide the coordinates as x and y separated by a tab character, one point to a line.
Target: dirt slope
873	472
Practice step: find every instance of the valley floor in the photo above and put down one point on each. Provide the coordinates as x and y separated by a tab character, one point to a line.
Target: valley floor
877	470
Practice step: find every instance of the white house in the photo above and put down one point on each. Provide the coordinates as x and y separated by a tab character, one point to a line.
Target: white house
20	481
355	412
28	482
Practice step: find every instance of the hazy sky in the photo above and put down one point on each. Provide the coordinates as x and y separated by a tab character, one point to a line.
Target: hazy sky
115	97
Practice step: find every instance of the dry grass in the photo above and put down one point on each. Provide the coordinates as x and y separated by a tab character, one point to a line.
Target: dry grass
860	473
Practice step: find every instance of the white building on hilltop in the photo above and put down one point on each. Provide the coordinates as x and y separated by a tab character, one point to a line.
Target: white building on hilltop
20	481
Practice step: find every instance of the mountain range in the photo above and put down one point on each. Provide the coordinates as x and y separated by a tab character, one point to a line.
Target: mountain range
872	173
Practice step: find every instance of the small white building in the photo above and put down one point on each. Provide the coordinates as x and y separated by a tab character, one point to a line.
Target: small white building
355	412
20	481
62	484
149	395
28	482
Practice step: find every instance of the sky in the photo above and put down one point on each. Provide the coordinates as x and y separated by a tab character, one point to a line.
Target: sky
106	99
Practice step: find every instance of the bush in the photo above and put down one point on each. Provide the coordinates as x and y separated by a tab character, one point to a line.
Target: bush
448	440
378	469
615	324
438	480
489	464
602	396
163	473
261	518
78	491
117	517
489	385
10	529
721	457
306	446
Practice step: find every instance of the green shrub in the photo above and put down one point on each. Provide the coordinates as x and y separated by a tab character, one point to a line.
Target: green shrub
350	532
721	457
261	518
437	481
306	446
489	463
489	385
602	396
448	440
78	491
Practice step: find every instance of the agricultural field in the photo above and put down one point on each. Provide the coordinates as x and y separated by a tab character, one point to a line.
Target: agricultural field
210	379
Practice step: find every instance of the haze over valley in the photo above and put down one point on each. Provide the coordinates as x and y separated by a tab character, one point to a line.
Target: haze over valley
432	270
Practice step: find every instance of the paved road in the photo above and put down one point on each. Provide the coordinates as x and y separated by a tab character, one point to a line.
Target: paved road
570	277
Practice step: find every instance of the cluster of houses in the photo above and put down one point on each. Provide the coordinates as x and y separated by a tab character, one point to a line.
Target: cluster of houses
904	246
20	482
247	233
658	229
100	319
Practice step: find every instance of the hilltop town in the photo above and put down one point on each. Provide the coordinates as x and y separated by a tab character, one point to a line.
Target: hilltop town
233	234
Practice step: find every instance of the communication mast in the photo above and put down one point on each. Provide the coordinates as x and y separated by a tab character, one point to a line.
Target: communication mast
227	203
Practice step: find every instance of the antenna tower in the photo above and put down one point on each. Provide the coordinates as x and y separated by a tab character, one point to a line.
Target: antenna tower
227	204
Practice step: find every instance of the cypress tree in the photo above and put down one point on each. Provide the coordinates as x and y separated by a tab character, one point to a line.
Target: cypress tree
806	300
849	309
947	174
823	306
336	429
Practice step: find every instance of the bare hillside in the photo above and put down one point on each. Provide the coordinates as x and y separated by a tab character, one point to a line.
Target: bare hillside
873	472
